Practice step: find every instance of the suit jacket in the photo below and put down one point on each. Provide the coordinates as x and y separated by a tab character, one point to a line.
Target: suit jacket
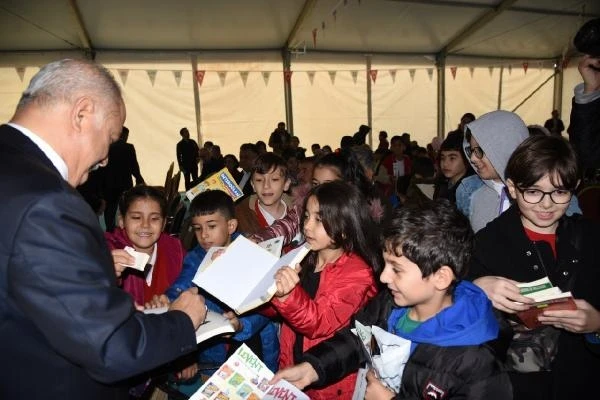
122	164
65	326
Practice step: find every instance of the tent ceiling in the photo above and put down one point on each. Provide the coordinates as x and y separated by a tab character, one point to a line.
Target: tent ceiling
523	29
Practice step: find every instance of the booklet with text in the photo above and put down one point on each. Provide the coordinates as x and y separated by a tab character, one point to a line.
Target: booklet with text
214	324
547	297
221	180
245	377
243	276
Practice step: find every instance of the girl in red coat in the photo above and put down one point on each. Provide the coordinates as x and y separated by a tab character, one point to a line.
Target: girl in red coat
142	217
336	280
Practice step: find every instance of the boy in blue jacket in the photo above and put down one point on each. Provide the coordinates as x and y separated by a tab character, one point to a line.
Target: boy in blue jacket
214	224
449	322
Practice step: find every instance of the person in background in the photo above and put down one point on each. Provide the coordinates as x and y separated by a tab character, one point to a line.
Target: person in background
467	118
248	155
360	137
279	139
554	124
454	166
65	323
384	144
187	157
233	166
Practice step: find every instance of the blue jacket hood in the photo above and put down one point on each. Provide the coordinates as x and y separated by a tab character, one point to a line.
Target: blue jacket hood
468	321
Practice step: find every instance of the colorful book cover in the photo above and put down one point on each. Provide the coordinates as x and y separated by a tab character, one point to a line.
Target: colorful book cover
221	180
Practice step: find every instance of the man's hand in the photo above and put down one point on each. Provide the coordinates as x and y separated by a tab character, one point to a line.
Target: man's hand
300	375
589	68
191	303
503	293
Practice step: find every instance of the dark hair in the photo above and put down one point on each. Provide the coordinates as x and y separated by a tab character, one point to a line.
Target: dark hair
539	155
260	143
468	115
315	146
347	142
232	158
396	138
349	169
249	147
182	130
212	201
454	142
268	162
468	135
345	216
431	235
143	192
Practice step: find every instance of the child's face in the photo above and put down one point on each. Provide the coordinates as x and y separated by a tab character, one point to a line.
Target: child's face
405	281
305	171
143	223
269	187
483	166
541	217
213	229
314	231
325	174
452	164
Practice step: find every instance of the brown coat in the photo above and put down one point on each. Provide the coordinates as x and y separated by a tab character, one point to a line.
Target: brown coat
245	213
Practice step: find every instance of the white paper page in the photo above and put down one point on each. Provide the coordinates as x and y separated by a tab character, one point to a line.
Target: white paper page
141	259
207	260
236	272
214	324
273	246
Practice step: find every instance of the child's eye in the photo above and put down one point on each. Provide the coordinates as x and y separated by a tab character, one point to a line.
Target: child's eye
196	228
212	226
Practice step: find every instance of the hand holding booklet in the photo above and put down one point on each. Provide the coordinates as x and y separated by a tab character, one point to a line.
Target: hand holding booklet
243	276
547	297
214	324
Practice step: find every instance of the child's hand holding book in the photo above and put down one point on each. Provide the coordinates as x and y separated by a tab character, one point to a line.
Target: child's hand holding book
286	279
375	389
585	319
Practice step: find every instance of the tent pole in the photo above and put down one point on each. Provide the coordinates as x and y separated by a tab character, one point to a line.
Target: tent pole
369	100
197	99
533	92
500	81
441	94
287	90
558	87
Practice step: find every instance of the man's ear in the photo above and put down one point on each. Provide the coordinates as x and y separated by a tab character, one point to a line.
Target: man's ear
512	190
443	277
232	225
81	112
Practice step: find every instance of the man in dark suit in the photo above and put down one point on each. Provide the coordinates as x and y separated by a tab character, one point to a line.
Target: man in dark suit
187	158
122	165
65	326
248	156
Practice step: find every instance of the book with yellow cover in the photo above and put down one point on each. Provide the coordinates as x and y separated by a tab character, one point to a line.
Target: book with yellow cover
221	180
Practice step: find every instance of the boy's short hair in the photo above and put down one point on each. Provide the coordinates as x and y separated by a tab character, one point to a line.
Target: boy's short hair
210	202
431	235
268	162
540	155
454	142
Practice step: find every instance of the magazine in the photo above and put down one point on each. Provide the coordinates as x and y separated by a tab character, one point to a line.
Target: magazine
221	180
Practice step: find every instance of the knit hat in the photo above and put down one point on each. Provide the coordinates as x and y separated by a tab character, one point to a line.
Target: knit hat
587	39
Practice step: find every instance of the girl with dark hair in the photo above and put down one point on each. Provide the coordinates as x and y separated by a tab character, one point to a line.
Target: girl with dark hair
534	239
336	278
142	218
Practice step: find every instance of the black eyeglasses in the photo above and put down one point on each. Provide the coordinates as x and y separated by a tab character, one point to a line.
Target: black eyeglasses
534	196
476	150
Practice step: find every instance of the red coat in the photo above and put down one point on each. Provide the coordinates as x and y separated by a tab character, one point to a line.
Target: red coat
344	287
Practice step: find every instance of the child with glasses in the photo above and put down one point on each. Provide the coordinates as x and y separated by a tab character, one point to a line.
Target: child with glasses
533	239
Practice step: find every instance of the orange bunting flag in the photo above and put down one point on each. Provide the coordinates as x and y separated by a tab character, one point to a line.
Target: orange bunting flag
287	75
525	66
200	77
453	71
565	62
311	76
373	74
314	34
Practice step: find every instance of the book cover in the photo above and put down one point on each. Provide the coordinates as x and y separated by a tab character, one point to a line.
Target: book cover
243	276
221	180
547	297
214	324
245	377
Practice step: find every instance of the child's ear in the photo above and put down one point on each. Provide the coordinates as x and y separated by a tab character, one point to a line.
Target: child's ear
286	185
232	225
121	223
512	190
443	277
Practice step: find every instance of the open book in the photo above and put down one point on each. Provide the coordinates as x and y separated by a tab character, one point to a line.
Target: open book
221	180
214	324
245	376
243	276
547	297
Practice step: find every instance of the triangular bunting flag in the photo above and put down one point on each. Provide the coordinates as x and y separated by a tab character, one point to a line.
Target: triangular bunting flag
509	69
123	74
222	76
453	71
266	75
393	75
244	76
412	72
354	76
152	75
200	77
177	75
311	76
564	64
491	70
373	74
471	71
314	35
332	76
20	72
430	73
525	66
287	75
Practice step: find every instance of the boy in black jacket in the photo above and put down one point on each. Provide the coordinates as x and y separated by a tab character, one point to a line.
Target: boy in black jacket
448	321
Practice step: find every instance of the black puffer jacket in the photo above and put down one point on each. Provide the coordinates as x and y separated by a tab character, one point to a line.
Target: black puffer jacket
432	372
